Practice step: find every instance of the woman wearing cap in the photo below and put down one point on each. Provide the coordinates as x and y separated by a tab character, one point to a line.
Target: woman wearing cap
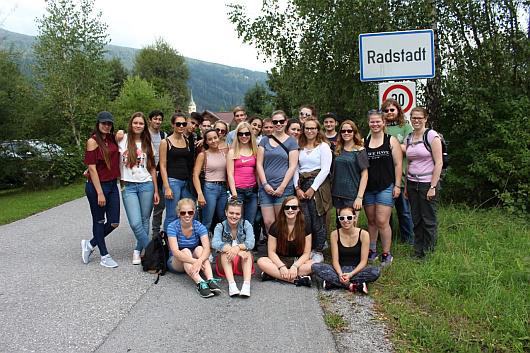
103	160
176	166
277	159
234	239
349	257
138	175
211	196
190	248
289	247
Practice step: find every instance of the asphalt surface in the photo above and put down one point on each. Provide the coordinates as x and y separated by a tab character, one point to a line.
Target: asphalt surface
51	302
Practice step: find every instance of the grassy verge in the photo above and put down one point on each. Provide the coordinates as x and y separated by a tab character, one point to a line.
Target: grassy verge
470	295
18	204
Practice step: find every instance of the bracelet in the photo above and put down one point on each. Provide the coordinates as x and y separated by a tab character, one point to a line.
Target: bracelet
282	266
397	186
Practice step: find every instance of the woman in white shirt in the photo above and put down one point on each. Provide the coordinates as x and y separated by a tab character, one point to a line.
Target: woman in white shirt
138	177
312	183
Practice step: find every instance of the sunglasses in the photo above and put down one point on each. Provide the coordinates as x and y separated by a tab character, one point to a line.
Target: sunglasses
346	131
345	218
220	131
278	122
247	134
290	207
179	124
391	110
189	213
305	114
233	201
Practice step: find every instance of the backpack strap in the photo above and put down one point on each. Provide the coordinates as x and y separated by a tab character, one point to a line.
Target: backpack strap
426	140
280	143
408	140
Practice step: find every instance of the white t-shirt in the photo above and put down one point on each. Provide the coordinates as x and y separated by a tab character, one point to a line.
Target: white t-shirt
309	160
138	173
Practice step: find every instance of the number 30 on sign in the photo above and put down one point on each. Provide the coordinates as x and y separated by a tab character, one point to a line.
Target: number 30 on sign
403	92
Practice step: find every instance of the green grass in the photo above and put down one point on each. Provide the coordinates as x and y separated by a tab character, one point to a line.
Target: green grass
18	204
471	295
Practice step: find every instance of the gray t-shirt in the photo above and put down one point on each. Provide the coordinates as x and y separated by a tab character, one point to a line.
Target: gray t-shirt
155	140
276	160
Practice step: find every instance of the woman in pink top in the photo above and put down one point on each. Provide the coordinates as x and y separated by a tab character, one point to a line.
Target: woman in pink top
423	177
241	170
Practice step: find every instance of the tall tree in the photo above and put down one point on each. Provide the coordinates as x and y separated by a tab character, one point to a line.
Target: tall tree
70	65
166	69
258	101
118	74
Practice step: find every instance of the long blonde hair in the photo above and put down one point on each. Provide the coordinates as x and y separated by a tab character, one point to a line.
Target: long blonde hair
235	143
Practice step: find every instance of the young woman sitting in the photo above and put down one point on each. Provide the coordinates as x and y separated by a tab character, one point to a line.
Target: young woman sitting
289	247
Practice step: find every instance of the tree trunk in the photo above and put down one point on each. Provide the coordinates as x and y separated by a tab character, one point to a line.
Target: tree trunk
433	87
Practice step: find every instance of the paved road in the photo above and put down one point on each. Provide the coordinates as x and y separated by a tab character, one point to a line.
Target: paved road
51	302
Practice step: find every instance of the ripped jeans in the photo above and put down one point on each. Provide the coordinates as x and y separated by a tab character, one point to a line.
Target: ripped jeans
103	217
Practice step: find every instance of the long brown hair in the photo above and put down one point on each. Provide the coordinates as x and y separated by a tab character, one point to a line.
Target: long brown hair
320	137
98	137
283	230
357	138
145	137
400	115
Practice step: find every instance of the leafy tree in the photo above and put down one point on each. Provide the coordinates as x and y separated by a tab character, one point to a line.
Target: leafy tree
118	75
166	69
70	65
258	101
138	95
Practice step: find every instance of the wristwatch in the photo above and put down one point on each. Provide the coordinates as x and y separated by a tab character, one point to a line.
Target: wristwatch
432	187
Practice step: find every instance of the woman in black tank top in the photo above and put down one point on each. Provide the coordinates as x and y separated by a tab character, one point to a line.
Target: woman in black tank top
349	257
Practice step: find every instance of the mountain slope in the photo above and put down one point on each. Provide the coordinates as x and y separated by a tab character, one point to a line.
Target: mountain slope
215	86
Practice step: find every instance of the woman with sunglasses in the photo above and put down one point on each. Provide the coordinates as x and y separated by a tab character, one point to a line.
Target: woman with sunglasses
289	247
190	248
423	181
241	170
350	172
307	111
397	126
222	130
312	184
349	257
294	128
383	186
138	175
102	157
277	159
176	165
211	196
234	240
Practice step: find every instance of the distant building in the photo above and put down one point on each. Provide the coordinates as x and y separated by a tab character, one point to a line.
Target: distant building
192	107
214	116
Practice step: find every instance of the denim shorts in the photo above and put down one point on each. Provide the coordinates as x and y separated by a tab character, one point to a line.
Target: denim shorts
266	200
383	197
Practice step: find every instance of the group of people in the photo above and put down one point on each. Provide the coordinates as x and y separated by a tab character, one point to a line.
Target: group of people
274	180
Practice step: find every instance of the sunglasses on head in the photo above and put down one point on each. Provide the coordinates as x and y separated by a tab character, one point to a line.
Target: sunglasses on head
278	122
189	213
181	124
346	218
346	131
233	201
290	207
220	131
247	134
391	110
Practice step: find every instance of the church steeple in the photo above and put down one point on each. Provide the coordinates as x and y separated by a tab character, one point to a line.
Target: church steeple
192	107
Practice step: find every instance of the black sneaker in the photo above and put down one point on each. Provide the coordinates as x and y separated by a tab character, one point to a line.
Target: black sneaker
303	281
327	285
265	277
204	290
214	287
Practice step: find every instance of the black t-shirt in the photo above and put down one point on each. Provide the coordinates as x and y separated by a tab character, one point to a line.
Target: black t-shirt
381	173
291	247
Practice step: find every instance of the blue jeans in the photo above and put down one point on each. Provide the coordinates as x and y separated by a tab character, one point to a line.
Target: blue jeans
138	203
216	197
406	228
180	191
103	217
249	197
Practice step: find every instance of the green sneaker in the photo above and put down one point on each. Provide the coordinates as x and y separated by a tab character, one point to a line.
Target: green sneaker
204	290
214	287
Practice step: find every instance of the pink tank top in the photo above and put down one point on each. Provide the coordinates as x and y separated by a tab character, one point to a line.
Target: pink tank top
245	172
215	169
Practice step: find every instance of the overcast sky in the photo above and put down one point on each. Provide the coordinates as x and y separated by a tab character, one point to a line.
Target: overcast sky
198	29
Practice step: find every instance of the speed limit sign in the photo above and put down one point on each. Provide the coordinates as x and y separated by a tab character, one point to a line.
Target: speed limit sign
403	92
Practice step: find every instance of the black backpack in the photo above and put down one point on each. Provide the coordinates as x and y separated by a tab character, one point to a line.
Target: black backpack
445	155
156	255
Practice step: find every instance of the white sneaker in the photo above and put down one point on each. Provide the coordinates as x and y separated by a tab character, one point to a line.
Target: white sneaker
245	290
107	261
317	257
137	260
86	250
232	289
